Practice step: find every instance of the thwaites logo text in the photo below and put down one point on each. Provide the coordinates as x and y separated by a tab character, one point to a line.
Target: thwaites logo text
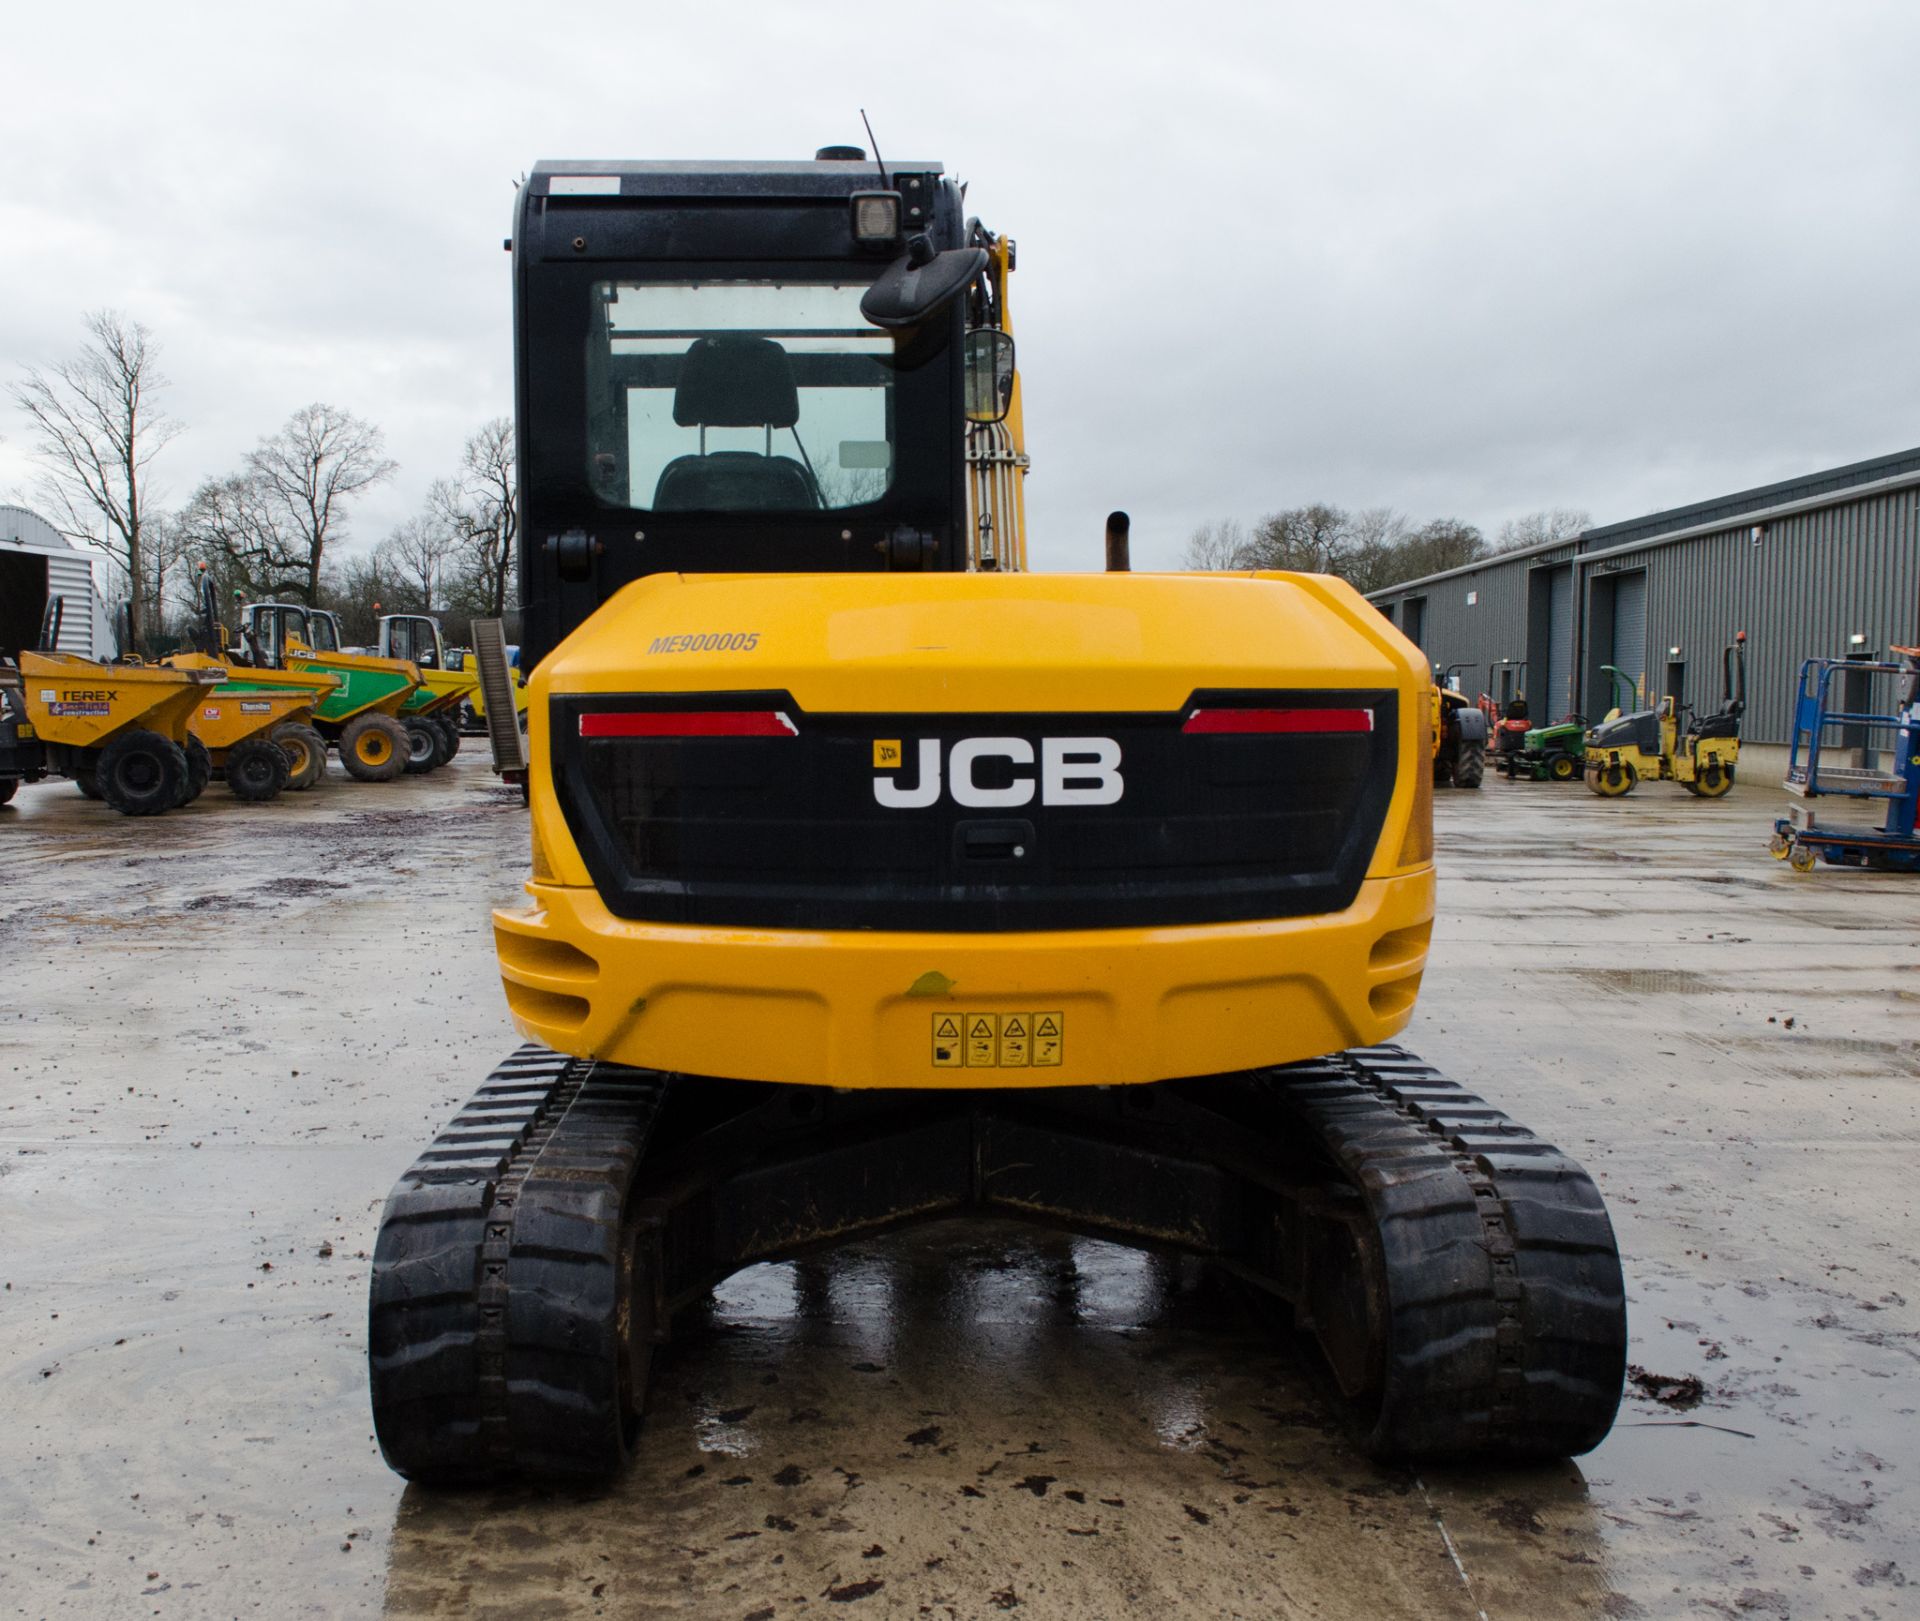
1055	771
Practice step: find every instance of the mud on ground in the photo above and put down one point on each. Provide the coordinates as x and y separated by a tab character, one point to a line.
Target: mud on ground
224	1033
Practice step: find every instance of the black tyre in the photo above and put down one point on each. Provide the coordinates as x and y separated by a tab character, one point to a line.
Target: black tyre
373	748
7	786
1471	768
451	728
423	745
141	773
306	752
199	768
87	781
1563	768
441	752
256	769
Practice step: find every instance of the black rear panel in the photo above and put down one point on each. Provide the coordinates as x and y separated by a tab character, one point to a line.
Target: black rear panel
786	831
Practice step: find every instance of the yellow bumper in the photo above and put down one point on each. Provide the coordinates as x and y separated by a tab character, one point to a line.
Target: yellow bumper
1073	1008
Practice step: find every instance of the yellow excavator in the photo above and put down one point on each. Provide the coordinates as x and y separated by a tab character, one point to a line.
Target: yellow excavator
875	879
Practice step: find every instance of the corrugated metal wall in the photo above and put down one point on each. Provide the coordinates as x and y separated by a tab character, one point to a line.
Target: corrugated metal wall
70	575
1477	619
1812	581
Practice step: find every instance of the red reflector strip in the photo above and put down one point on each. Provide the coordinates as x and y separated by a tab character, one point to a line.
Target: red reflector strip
1221	721
688	723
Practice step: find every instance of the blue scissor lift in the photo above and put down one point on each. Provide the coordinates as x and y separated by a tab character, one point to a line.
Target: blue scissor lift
1798	837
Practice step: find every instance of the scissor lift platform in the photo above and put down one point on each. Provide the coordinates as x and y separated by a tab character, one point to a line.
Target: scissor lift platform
1798	837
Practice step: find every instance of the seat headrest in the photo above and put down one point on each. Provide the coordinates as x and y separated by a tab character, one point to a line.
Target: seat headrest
735	382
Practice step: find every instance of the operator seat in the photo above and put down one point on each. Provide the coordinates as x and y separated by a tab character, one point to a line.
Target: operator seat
735	382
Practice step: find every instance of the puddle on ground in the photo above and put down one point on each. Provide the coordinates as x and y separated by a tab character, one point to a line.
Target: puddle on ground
977	1417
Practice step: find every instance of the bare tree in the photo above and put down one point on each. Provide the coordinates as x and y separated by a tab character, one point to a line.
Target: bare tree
418	552
1369	549
319	461
241	532
1373	543
481	507
1215	545
1312	539
97	431
1538	528
163	553
1443	543
360	590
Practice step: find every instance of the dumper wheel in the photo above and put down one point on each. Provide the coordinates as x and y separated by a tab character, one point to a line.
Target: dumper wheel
374	748
256	769
1470	770
7	786
449	736
452	728
141	773
306	752
199	768
423	745
87	781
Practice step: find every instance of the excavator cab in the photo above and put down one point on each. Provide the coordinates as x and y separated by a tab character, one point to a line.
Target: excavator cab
876	879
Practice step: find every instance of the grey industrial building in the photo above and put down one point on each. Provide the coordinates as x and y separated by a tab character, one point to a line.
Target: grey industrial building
1825	565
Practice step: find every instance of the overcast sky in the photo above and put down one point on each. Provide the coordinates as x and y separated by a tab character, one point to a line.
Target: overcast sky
1467	259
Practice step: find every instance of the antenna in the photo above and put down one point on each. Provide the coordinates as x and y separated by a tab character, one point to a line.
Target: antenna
875	144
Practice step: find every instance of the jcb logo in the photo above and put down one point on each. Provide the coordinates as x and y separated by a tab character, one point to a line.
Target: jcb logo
1072	771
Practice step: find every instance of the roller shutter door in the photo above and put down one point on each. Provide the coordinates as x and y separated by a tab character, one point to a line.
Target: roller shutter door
1630	628
70	575
1558	699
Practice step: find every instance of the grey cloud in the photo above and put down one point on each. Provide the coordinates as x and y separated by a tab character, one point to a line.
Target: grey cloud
1466	259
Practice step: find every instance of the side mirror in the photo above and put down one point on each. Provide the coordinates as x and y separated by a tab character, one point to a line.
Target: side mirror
989	374
920	282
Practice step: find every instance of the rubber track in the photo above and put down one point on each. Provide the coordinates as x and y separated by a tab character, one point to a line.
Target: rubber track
1504	1301
501	1343
497	1323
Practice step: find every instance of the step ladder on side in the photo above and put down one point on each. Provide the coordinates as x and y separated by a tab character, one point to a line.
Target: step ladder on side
509	742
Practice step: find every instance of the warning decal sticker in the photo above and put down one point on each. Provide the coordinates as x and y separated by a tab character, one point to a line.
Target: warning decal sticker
998	1040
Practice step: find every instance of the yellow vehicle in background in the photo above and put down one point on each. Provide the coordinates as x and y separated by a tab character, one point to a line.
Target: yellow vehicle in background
361	716
431	713
1700	752
120	731
249	713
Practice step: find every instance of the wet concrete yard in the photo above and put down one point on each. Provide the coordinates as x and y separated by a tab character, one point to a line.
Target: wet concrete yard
226	1031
